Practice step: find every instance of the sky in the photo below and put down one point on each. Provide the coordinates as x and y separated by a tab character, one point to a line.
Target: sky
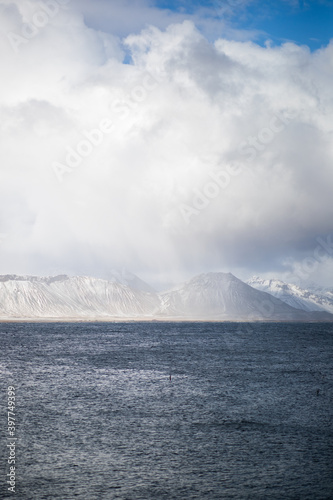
167	138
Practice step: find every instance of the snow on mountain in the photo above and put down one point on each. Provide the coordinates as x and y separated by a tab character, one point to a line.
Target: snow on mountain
294	295
212	296
71	297
319	290
223	296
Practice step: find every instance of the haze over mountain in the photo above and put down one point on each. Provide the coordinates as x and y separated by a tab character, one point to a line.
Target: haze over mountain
127	278
212	296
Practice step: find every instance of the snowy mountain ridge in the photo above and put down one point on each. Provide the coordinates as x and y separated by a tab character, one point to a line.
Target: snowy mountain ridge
211	296
294	295
72	297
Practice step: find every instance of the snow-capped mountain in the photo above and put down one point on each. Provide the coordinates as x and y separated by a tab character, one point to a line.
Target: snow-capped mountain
71	297
225	297
295	296
212	296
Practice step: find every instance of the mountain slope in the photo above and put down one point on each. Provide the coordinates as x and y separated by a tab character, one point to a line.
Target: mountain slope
294	295
223	296
63	296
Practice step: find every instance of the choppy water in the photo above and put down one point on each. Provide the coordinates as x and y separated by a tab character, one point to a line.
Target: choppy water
99	418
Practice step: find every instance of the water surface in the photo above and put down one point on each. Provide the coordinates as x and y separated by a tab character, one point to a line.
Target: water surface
99	418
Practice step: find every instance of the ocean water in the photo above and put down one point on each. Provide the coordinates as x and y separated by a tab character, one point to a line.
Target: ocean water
98	417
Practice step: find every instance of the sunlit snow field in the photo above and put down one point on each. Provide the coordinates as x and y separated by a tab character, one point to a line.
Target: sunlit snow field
99	418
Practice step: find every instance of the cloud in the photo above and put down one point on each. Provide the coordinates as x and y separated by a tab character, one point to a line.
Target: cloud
125	16
99	158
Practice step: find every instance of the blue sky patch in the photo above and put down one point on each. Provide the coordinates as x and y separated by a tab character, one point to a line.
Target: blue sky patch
304	23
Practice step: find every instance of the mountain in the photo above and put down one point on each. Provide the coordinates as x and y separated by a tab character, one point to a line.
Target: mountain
307	300
319	290
224	297
127	278
71	297
212	296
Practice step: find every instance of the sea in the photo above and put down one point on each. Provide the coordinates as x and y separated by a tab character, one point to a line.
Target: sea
167	411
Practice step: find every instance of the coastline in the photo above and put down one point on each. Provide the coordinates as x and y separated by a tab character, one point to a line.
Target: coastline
156	320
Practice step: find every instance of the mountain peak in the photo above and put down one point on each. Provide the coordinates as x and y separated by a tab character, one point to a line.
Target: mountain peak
214	277
222	296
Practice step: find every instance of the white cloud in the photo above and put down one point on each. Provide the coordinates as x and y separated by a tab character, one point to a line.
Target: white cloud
179	113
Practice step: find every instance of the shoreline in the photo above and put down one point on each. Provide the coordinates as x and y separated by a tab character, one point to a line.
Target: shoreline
155	320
